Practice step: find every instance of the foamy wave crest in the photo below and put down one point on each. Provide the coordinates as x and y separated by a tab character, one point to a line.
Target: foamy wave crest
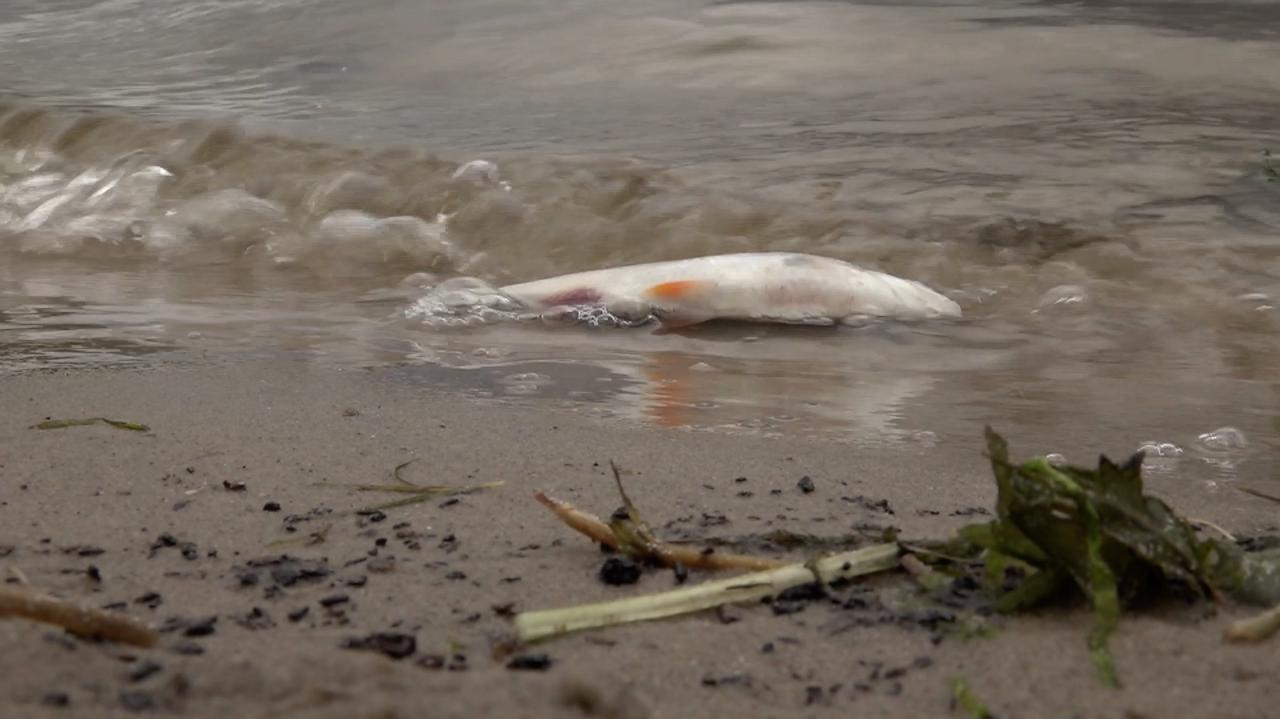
465	302
124	209
115	187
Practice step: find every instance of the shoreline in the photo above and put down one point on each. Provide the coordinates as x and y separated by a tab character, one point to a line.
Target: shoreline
446	572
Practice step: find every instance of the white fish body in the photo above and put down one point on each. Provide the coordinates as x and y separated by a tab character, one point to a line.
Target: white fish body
762	287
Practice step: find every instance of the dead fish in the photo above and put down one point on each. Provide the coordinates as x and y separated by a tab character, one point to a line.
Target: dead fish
781	287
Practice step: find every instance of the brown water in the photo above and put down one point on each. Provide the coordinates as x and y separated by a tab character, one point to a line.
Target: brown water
258	176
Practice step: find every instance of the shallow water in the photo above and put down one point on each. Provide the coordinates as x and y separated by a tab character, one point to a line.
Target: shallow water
1085	179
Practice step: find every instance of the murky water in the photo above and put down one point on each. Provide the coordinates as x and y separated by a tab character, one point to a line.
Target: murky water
1085	179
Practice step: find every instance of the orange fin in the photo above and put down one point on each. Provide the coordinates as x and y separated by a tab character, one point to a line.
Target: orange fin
678	289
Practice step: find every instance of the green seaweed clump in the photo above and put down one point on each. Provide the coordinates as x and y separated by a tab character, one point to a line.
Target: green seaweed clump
1096	530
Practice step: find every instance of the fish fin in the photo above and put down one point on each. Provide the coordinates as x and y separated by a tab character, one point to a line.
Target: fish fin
859	320
668	323
678	289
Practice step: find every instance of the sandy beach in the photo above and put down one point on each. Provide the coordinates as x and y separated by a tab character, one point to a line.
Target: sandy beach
230	526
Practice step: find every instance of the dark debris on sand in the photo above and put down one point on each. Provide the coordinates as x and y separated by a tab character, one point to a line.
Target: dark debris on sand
392	644
282	570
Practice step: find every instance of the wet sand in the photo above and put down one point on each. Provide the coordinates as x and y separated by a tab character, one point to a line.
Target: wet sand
158	525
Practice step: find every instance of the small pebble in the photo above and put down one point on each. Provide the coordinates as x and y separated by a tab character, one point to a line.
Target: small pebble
136	701
144	669
431	661
530	662
271	507
200	627
396	646
617	572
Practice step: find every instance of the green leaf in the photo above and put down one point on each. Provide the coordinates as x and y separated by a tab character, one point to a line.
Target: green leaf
1037	589
964	698
1104	596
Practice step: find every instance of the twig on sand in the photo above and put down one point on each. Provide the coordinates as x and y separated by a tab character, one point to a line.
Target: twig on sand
544	624
1255	628
83	621
1210	525
627	532
641	544
418	492
630	534
64	423
583	522
1258	493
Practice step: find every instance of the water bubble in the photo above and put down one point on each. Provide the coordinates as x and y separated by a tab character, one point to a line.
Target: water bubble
1223	439
421	280
924	437
525	383
972	295
480	171
1062	296
474	284
1260	300
1056	459
343	225
228	215
559	317
1153	448
527	377
465	301
1159	456
589	316
352	190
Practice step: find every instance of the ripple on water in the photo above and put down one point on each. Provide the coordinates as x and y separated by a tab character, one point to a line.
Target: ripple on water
1062	297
